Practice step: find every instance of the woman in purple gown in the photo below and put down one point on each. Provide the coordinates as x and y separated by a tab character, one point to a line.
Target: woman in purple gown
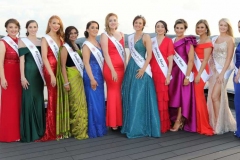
181	89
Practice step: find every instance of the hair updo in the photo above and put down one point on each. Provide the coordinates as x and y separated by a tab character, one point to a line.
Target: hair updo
14	21
181	21
28	23
86	34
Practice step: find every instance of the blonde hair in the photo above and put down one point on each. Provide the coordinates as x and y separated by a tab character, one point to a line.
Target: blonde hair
206	25
107	28
181	21
230	30
60	32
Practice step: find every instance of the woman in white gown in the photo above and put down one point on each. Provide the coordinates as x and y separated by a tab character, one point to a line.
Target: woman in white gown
221	65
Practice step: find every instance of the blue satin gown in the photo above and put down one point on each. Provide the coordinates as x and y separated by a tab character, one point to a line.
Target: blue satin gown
140	108
95	101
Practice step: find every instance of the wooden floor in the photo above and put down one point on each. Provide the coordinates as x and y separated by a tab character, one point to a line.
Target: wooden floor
114	146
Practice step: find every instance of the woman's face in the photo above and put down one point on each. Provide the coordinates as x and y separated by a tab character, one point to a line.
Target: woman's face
138	24
201	29
32	29
179	30
113	22
12	29
160	29
73	35
93	29
54	25
223	27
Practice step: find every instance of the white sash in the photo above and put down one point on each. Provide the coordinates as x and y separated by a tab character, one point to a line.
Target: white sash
53	45
159	58
198	64
97	54
36	55
181	64
136	56
118	45
11	43
76	58
218	66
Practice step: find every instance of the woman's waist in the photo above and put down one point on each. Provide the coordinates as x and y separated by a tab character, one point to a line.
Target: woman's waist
11	61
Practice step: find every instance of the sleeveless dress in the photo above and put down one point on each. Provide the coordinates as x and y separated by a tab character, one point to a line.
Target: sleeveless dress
167	49
237	92
10	107
114	97
95	100
225	121
50	132
203	125
140	111
180	95
33	108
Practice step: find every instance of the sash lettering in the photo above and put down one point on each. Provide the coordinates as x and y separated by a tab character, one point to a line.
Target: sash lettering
11	43
198	64
97	54
181	64
53	45
218	66
76	58
159	57
36	55
136	56
118	45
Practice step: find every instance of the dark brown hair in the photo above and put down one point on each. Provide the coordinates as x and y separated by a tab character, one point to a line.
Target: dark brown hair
86	34
28	23
181	21
164	24
140	17
67	36
14	21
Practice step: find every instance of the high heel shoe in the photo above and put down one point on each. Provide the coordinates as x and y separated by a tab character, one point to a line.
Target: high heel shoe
180	126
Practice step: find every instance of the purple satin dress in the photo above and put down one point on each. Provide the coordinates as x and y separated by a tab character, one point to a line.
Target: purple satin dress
180	95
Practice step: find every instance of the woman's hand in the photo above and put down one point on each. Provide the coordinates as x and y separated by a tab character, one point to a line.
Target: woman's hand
167	81
53	80
25	83
4	83
236	78
94	84
114	76
197	79
186	81
140	73
220	78
67	86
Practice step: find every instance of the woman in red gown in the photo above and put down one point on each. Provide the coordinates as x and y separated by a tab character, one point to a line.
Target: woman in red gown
113	71
161	82
55	31
203	51
10	84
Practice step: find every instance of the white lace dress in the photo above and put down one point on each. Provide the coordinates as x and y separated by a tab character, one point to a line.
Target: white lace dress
225	121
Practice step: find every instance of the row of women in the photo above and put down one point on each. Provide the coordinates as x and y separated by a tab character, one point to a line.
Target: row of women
159	87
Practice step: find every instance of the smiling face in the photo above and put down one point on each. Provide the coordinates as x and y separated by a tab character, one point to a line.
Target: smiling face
93	29
12	29
54	25
113	22
32	29
73	35
201	29
179	30
223	27
138	24
160	29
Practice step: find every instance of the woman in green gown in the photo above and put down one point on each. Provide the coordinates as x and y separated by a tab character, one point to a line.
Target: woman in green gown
32	124
72	115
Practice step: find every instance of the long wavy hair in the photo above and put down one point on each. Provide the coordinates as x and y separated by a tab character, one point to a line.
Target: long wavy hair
107	28
230	30
60	32
67	36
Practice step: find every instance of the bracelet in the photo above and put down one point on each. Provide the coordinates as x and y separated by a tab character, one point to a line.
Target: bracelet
66	84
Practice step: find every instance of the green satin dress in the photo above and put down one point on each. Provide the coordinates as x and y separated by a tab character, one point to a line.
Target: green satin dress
32	124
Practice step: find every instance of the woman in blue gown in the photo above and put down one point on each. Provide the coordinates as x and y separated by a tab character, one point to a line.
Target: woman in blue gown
94	82
237	87
140	112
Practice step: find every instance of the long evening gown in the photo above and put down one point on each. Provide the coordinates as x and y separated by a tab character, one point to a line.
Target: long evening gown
50	131
140	111
167	49
11	97
237	92
180	95
114	97
95	100
203	125
225	121
33	108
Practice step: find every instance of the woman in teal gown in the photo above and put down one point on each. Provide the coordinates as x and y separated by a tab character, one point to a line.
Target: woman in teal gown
140	112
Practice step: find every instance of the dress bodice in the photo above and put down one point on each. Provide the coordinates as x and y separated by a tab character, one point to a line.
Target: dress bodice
139	46
10	54
237	52
220	52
